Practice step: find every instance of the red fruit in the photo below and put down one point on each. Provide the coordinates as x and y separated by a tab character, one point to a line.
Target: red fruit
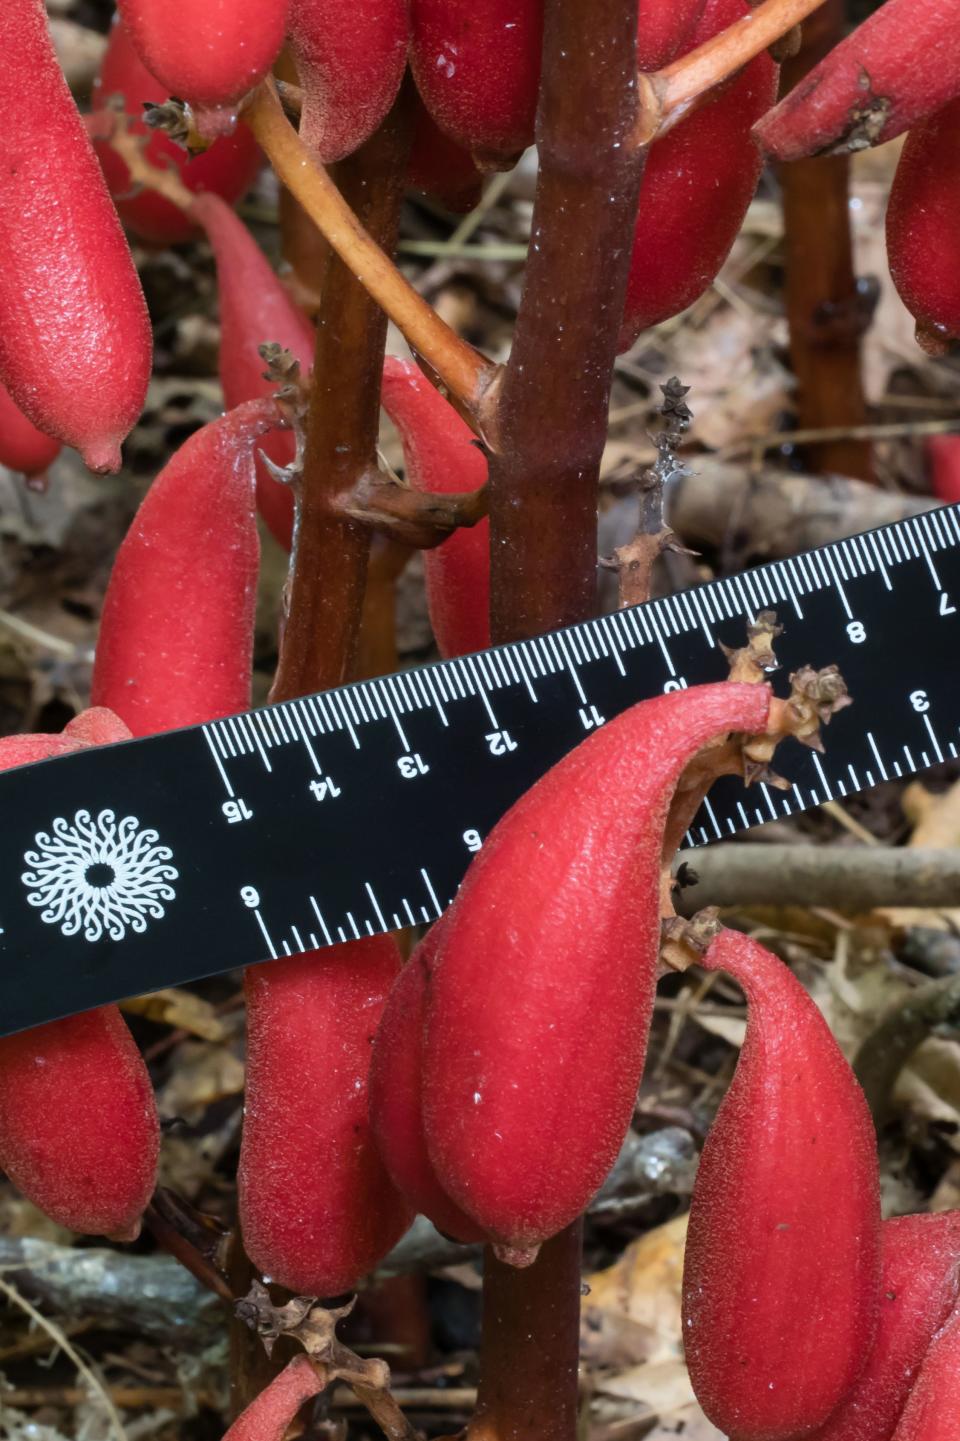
270	1414
933	1406
317	1208
75	341
698	183
440	456
254	307
350	59
78	1125
943	454
22	446
477	67
211	57
540	999
901	64
782	1270
923	216
918	1290
176	633
662	28
439	166
396	1111
228	168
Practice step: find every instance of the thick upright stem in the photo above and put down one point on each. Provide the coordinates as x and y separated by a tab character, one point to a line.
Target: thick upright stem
552	410
825	311
330	556
531	1341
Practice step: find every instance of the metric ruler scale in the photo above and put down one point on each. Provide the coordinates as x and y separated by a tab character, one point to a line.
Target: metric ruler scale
155	862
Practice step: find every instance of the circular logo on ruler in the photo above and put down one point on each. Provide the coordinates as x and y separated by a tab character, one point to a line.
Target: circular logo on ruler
98	876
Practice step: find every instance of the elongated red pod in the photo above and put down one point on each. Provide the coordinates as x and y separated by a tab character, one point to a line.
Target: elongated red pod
663	26
943	456
75	344
923	216
176	632
270	1414
782	1270
440	456
211	57
79	1133
317	1208
439	166
228	168
477	68
697	185
901	64
396	1100
254	307
540	999
22	446
920	1258
350	59
933	1405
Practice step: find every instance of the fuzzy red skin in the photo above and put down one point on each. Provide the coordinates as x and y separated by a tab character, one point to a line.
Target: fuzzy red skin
350	59
228	168
663	26
75	343
226	49
254	307
269	1415
396	1102
439	166
933	1405
440	456
782	1269
697	185
909	49
540	999
923	220
176	632
477	67
23	447
79	1133
918	1290
317	1208
943	455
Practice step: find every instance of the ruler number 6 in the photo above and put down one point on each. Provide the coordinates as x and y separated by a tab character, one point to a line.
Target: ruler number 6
856	632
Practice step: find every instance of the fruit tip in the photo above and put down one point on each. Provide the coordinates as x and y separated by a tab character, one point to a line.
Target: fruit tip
103	457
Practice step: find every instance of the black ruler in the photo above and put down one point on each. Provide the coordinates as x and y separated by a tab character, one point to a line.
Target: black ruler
297	826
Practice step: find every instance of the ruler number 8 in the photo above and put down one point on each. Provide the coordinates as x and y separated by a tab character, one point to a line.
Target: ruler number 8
856	632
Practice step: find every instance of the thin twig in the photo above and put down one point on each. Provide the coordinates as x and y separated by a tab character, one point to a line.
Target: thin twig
893	430
58	1337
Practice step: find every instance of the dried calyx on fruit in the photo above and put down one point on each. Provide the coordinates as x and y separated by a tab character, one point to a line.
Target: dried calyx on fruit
698	182
901	64
78	371
176	633
350	61
317	1208
477	68
786	1204
227	169
441	456
212	61
79	1133
923	219
528	997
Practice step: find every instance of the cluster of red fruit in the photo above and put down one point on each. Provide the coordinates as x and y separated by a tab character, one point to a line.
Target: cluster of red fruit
507	1053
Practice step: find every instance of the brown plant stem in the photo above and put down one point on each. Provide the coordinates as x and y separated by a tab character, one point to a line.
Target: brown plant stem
531	1339
553	397
826	313
328	572
464	371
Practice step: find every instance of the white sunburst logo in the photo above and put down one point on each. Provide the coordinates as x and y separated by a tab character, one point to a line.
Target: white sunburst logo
99	876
